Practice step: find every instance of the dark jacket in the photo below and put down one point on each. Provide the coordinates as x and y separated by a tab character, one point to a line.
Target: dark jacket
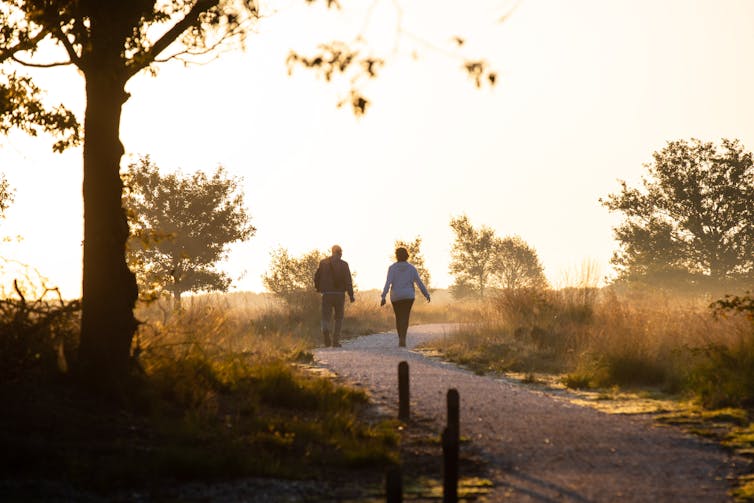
333	276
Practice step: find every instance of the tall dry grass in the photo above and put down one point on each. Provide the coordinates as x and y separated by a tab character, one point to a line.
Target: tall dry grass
607	337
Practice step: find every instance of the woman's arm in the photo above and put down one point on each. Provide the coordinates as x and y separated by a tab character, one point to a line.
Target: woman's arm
421	286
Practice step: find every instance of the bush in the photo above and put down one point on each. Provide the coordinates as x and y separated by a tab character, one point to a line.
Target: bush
723	374
39	335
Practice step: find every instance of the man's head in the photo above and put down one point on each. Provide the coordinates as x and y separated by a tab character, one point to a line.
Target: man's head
337	251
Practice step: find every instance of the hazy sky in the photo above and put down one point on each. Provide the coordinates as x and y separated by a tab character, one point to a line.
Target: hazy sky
588	89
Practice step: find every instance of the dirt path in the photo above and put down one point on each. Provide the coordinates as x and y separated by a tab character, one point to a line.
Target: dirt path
540	447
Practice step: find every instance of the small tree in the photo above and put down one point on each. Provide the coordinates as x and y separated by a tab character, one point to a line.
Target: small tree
694	221
416	258
292	278
517	265
473	255
181	226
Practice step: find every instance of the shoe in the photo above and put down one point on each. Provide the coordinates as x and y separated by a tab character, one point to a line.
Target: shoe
336	345
327	339
401	342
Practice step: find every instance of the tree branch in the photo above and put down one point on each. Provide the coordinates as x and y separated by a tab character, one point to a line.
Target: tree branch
63	37
25	45
39	65
143	59
198	52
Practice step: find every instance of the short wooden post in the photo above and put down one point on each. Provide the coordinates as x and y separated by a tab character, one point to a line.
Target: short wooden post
454	406
394	485
450	448
403	391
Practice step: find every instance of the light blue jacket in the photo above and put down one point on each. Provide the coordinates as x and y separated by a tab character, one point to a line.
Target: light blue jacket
401	277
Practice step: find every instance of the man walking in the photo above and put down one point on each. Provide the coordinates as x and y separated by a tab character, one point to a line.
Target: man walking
333	280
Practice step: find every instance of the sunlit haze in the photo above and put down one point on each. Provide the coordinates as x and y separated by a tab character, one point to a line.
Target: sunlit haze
587	91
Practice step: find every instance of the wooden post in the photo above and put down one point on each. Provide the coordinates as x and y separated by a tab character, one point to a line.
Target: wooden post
450	448
394	485
454	403
403	391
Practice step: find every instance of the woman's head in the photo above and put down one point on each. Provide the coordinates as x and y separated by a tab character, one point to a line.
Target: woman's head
401	254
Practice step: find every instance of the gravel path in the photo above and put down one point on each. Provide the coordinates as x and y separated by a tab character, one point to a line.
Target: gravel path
540	447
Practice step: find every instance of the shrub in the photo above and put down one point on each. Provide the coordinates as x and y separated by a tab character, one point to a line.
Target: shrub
723	374
41	334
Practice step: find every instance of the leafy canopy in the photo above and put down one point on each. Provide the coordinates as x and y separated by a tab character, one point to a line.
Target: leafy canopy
22	107
181	226
693	220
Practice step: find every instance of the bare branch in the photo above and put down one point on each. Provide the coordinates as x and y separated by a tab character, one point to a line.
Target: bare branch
194	52
19	292
39	65
145	58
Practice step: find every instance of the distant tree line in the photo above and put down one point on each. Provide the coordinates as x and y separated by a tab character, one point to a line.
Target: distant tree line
481	261
691	225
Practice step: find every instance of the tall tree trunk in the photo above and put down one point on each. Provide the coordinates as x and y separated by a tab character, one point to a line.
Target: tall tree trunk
109	287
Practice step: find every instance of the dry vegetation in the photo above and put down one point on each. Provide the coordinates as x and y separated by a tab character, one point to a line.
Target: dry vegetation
606	337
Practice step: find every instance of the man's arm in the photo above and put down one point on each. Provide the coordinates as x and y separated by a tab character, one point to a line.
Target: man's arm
317	277
349	282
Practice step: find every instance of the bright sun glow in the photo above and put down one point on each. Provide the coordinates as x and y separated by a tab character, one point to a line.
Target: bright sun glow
587	91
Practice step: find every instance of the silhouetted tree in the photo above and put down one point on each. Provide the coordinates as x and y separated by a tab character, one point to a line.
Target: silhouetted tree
693	222
110	42
181	226
292	278
516	265
416	258
473	255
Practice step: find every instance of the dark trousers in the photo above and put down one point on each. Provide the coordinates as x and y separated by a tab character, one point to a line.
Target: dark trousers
332	303
402	310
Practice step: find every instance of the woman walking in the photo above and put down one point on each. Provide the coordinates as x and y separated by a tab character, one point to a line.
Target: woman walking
401	277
